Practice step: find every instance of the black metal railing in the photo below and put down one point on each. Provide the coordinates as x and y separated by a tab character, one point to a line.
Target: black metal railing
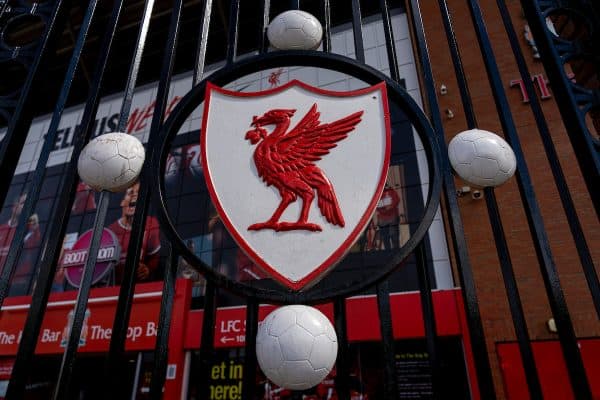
22	112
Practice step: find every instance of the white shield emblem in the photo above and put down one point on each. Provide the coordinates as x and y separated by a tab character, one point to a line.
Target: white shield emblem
296	172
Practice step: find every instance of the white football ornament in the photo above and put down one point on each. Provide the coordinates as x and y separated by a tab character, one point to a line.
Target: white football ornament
295	30
296	347
112	161
482	158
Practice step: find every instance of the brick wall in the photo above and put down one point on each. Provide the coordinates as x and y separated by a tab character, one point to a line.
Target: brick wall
482	251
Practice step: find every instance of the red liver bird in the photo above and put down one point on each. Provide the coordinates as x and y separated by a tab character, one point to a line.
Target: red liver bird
286	160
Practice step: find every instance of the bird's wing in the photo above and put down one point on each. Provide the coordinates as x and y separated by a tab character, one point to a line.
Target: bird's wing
310	140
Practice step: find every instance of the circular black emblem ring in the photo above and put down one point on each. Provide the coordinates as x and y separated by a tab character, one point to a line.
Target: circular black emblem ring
228	74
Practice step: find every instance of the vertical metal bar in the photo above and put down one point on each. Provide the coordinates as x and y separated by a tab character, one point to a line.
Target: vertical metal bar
514	300
161	350
16	244
586	152
5	8
203	42
68	360
58	222
44	281
390	43
463	87
494	216
124	303
556	297
232	36
135	66
342	377
294	4
583	251
249	378
34	188
326	26
18	126
482	363
207	340
428	319
387	338
359	47
263	42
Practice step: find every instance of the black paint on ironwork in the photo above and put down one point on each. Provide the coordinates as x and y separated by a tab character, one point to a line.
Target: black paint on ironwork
232	35
580	242
127	289
512	294
203	41
428	320
15	139
384	308
63	382
359	47
44	281
66	369
53	241
390	43
161	349
463	87
556	298
342	363
326	7
263	41
18	126
135	66
207	339
58	223
482	363
586	152
298	58
502	249
249	377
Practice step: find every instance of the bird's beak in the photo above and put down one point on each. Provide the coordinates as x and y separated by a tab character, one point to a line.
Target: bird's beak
256	121
254	135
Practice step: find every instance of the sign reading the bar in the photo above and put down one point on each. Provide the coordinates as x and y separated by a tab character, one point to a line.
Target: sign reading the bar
296	172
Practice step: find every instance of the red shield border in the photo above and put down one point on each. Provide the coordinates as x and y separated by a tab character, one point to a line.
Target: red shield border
318	272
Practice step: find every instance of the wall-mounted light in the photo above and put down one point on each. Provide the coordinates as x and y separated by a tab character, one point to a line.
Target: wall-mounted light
449	113
443	89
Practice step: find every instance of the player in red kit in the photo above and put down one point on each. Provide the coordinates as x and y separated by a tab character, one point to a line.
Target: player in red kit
388	218
7	232
84	199
149	257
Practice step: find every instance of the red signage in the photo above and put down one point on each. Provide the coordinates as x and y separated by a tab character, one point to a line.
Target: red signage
73	260
362	322
97	330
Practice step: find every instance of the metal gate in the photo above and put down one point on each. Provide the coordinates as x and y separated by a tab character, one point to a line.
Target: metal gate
243	54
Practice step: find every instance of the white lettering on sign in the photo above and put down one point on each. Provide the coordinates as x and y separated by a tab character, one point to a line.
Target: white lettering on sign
232	332
133	332
7	338
77	257
49	336
151	329
233	325
100	333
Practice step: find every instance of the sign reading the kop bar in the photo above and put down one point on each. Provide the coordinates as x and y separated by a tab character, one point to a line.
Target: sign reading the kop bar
296	172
